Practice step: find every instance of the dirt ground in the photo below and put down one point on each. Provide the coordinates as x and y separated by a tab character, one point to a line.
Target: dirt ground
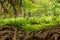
12	33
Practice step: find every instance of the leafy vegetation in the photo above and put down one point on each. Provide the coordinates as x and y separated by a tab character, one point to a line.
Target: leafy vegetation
30	14
32	23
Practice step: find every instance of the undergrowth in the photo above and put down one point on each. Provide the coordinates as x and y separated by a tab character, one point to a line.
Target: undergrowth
32	23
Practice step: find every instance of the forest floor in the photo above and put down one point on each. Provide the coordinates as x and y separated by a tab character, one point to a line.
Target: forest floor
14	33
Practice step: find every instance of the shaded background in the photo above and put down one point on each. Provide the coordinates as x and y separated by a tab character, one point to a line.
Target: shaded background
29	8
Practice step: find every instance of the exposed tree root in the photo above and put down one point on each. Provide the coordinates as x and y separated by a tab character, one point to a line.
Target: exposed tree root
11	33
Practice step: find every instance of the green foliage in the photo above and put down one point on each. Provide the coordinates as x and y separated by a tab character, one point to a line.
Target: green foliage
2	22
45	13
29	6
32	23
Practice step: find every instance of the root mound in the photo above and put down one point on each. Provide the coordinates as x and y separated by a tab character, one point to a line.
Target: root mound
11	33
49	34
8	33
